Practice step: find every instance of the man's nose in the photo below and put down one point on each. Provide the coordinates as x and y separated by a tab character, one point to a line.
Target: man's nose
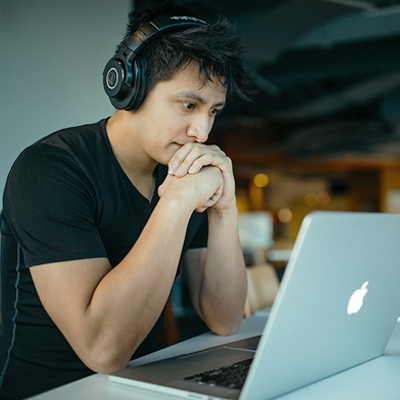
200	128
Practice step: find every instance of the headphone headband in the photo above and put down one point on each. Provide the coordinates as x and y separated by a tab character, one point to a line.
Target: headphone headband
151	30
123	78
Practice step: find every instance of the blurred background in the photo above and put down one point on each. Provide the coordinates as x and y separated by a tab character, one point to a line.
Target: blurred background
323	130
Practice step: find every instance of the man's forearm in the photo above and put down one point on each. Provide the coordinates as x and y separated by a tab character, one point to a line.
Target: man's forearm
224	286
106	313
143	280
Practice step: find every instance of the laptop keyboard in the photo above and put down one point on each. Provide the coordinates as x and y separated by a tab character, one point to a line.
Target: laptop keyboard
231	376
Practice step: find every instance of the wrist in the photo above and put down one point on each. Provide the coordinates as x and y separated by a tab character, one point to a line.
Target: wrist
218	214
180	200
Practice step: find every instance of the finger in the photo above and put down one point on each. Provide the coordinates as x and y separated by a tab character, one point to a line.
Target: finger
209	203
179	157
184	158
186	164
212	200
210	159
161	189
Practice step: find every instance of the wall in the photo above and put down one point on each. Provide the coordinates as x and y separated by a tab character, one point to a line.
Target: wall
52	55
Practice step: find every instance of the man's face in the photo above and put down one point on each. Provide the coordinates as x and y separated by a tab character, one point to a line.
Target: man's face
178	111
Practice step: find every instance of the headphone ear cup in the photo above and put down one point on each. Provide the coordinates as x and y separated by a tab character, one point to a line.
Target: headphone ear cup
138	86
124	83
113	79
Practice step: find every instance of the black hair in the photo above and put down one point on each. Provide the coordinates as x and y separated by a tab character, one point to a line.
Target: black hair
215	48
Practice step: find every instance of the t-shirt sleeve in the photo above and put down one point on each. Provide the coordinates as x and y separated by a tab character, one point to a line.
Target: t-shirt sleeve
50	207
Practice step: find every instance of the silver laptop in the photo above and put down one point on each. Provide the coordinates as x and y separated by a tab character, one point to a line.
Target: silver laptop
337	305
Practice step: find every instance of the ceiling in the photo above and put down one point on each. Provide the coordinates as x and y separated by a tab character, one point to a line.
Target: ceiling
328	79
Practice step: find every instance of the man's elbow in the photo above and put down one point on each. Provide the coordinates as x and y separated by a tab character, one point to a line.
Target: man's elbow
107	367
104	366
226	328
108	361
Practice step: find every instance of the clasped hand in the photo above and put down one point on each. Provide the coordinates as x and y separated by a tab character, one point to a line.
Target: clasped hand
195	163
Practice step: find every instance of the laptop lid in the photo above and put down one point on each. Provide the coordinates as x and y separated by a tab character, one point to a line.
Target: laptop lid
338	302
314	330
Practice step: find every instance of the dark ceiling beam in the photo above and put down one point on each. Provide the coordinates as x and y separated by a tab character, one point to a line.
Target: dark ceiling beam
266	34
315	83
368	4
358	94
343	60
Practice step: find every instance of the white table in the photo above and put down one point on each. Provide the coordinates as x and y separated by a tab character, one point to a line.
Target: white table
376	379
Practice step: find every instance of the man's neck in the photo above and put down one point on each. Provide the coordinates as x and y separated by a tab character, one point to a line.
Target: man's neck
133	160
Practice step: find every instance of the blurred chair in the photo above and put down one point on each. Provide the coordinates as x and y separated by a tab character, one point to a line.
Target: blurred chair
169	333
256	235
262	287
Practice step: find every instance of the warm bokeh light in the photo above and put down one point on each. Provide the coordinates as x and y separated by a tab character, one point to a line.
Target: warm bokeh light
324	198
261	180
285	215
311	199
242	203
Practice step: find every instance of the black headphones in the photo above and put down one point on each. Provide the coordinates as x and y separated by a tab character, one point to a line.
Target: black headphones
123	77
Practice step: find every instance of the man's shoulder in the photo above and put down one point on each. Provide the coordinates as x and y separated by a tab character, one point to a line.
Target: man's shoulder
68	143
75	137
66	150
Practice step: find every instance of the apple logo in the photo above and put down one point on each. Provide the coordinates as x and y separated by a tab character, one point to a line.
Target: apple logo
357	299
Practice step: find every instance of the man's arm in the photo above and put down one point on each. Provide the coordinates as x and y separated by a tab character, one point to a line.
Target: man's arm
217	280
216	276
105	313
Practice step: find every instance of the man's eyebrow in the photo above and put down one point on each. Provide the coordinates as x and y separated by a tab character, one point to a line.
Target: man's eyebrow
196	97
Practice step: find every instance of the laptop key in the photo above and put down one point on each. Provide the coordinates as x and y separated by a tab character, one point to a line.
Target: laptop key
231	376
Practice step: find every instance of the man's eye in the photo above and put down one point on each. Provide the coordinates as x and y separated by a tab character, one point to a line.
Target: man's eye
216	111
189	106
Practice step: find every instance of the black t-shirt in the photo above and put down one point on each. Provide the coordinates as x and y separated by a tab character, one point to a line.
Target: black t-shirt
66	198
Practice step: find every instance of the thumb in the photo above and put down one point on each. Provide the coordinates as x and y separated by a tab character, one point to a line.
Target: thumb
163	187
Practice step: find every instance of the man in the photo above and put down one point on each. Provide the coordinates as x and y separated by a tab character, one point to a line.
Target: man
95	229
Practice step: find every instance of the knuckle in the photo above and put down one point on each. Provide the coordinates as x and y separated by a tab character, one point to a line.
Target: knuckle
190	146
185	164
197	151
218	149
